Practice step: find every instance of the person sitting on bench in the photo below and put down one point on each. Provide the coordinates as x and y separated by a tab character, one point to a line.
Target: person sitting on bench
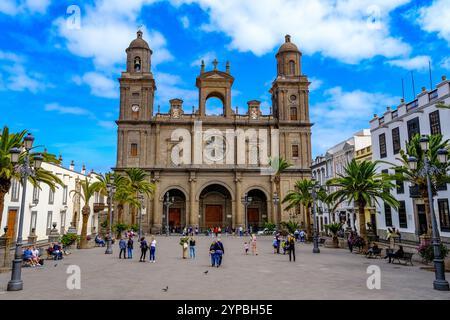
99	241
373	249
398	254
28	257
57	252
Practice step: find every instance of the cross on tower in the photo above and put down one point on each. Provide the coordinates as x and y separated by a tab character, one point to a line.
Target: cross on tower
215	62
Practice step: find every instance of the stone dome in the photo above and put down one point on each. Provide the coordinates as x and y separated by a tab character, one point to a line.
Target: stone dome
139	42
288	45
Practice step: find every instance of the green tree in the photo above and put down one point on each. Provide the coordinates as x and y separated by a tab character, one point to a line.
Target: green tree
138	183
417	177
87	191
302	195
7	173
362	185
279	165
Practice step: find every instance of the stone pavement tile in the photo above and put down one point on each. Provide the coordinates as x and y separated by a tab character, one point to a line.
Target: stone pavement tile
332	274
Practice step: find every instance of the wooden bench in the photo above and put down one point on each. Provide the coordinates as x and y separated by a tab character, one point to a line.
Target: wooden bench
407	257
374	254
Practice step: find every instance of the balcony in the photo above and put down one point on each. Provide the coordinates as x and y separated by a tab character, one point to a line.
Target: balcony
394	114
412	105
414	192
433	95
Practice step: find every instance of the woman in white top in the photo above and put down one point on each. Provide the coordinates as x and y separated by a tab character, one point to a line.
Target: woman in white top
35	257
152	250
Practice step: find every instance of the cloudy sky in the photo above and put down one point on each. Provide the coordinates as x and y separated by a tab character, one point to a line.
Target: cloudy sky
60	60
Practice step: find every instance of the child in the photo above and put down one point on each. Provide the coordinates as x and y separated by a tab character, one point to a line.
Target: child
246	247
283	245
275	245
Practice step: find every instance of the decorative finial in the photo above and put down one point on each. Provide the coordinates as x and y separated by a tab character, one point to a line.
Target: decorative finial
193	109
228	67
60	158
287	38
139	32
237	110
402	100
215	62
202	67
444	77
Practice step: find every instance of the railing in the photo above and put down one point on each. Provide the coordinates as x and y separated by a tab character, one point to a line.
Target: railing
412	105
394	114
381	120
433	95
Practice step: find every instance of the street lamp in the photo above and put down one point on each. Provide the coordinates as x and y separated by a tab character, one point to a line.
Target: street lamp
141	201
315	229
111	189
167	203
276	200
246	200
439	283
25	170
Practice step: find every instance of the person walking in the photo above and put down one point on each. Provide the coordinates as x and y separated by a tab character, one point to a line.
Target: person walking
212	253
253	243
130	247
144	247
350	240
192	248
152	250
277	237
219	252
291	247
122	247
302	236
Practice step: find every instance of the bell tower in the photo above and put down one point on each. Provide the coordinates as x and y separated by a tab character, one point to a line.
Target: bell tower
290	105
137	86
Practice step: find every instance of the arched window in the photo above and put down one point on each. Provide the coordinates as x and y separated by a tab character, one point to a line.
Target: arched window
137	64
214	106
293	113
292	67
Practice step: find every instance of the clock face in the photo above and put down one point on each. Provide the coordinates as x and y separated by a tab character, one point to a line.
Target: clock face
135	108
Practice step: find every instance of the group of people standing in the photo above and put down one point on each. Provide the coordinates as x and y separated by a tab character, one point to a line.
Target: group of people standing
287	244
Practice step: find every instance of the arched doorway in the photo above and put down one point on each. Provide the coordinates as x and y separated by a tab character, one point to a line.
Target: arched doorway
215	207
257	209
177	211
214	105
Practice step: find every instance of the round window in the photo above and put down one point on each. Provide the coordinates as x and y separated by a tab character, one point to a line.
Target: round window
293	97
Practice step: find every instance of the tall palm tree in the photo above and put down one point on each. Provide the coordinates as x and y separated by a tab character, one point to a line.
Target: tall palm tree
87	191
361	184
279	165
302	195
138	183
109	178
416	177
7	173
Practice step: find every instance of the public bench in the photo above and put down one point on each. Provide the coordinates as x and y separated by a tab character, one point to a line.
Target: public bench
407	258
374	253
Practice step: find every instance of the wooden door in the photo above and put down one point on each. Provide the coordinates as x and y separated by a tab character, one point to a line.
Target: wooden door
174	217
253	216
423	227
12	217
213	216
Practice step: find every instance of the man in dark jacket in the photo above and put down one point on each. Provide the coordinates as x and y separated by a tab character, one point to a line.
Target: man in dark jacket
219	252
291	247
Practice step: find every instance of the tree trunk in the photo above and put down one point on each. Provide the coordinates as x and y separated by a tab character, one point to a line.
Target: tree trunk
133	215
362	223
5	184
278	188
120	213
85	212
426	201
2	204
308	223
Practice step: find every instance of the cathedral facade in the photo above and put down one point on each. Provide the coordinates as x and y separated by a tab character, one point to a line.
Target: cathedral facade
208	165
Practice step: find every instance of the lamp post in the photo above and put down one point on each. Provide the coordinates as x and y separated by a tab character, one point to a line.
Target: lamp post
439	283
276	200
141	201
111	188
315	231
25	171
167	203
246	200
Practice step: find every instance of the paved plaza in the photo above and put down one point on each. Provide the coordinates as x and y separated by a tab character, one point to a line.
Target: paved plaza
332	274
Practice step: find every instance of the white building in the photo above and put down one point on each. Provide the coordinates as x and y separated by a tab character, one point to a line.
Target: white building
390	134
43	207
330	165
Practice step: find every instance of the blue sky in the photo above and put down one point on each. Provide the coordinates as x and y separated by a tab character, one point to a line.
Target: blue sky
60	82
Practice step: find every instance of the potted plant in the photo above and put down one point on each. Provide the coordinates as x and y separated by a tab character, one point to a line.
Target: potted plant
334	228
119	228
426	252
69	239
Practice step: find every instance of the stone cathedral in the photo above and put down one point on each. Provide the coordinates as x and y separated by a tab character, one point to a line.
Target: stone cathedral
207	163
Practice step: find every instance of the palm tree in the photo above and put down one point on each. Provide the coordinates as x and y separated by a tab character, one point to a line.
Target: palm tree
302	195
278	165
334	228
7	173
416	177
137	182
363	185
87	191
123	196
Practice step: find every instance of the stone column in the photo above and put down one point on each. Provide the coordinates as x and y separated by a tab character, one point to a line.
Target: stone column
76	208
32	237
238	219
54	234
193	205
5	251
157	209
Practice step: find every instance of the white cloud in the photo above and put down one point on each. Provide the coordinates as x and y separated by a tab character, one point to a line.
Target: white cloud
315	84
344	30
16	77
171	86
66	110
331	117
435	18
416	63
14	7
106	31
185	22
101	85
206	57
445	63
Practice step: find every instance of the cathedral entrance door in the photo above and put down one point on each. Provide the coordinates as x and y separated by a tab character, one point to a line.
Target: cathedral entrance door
253	217
174	218
213	216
